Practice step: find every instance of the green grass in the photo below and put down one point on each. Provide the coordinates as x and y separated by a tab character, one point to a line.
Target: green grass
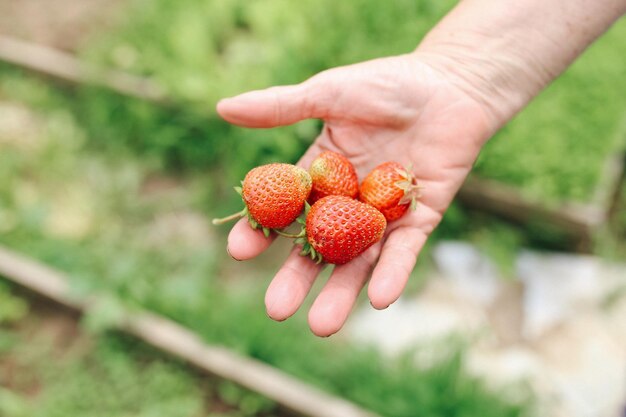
108	376
108	382
202	50
210	49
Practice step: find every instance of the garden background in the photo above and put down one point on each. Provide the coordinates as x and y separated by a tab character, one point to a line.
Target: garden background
117	192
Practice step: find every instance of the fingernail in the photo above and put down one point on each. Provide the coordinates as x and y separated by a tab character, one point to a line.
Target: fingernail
231	255
225	99
376	308
320	336
273	319
251	97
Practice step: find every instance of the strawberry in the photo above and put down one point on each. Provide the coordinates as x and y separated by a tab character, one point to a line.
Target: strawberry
274	196
338	229
390	188
332	174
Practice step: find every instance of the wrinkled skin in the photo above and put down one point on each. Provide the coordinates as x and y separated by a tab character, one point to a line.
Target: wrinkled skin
391	109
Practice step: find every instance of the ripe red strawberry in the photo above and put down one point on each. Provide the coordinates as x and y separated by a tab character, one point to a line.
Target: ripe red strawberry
274	196
332	174
390	188
338	229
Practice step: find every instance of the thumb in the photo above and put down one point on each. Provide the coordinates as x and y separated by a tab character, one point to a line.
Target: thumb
277	106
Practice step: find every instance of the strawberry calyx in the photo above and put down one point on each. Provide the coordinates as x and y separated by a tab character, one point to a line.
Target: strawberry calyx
301	234
300	238
409	187
307	250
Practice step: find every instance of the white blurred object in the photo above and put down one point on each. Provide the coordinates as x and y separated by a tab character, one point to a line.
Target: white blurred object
556	286
473	275
552	327
436	314
584	368
504	366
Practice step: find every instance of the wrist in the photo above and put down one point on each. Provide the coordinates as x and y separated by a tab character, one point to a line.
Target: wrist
500	82
502	54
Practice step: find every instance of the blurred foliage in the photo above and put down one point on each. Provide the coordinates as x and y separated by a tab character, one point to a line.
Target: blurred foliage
110	382
115	378
12	308
203	50
115	192
184	143
112	376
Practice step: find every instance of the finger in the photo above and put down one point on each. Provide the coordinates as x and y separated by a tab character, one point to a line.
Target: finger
395	265
278	106
334	303
290	286
244	242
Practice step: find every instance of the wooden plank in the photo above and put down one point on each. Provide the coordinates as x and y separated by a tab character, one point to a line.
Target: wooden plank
577	221
612	172
176	340
608	191
61	65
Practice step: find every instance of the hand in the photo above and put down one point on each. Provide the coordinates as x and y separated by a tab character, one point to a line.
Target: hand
392	109
433	109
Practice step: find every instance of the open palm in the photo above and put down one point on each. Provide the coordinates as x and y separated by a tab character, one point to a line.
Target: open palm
391	109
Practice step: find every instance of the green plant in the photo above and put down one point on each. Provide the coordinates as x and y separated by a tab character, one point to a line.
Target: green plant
12	308
202	50
116	378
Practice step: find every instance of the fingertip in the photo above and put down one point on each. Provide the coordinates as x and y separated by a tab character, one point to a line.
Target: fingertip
230	254
325	320
232	110
251	109
336	300
246	243
384	290
222	106
394	267
379	304
275	306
